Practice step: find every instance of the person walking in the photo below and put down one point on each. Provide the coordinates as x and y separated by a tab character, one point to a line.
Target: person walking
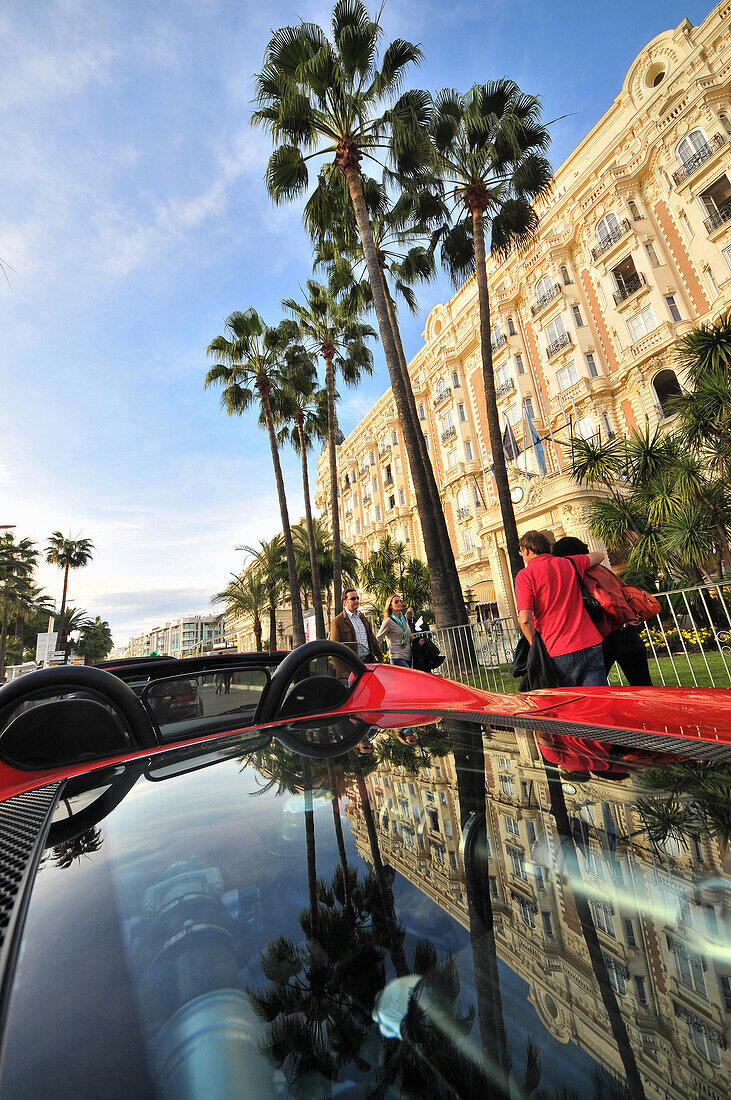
353	628
621	644
549	600
397	632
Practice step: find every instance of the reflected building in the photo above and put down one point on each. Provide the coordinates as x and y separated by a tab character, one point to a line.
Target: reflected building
662	913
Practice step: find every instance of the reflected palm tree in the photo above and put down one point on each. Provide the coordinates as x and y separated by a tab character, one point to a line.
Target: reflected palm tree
64	855
635	1089
697	802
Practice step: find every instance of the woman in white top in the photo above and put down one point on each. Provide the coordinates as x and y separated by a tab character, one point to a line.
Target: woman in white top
397	632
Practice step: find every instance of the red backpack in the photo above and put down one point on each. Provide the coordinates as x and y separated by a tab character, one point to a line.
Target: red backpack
644	605
622	604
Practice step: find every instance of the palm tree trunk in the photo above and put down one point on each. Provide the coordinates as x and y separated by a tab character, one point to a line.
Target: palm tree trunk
3	641
61	633
488	380
272	626
338	823
257	633
431	484
316	587
616	1021
310	842
298	626
448	611
332	424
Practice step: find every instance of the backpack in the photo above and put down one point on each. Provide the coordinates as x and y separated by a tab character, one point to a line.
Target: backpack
622	604
644	605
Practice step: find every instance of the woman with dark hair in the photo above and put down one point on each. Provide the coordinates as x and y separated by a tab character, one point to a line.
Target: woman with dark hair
396	630
623	645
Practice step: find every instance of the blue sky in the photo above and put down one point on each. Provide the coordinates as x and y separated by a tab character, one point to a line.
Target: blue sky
134	217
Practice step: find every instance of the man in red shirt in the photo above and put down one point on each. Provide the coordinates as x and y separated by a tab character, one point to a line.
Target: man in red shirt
549	601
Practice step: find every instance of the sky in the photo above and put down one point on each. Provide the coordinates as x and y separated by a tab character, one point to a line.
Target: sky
134	220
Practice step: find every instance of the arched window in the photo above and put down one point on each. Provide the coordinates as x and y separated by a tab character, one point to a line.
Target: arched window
511	327
634	210
665	386
607	227
544	286
422	414
565	275
690	145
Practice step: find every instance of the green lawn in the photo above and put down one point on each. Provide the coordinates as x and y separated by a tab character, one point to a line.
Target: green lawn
715	675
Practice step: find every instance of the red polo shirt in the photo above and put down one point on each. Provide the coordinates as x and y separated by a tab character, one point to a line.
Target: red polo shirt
549	588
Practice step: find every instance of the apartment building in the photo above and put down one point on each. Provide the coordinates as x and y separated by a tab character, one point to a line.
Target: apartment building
650	905
182	637
633	249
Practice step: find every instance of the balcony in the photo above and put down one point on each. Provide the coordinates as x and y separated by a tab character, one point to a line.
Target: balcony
693	163
718	218
629	287
442	396
388	483
384	450
367	498
541	303
364	471
463	513
349	513
606	242
449	433
563	342
504	388
499	342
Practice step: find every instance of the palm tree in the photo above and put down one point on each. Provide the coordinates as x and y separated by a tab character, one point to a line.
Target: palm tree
401	232
67	554
251	360
328	99
301	409
95	641
17	562
245	596
76	622
389	569
489	145
329	327
350	563
269	563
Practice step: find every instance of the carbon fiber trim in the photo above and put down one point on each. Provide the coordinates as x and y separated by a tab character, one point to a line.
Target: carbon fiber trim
24	820
702	750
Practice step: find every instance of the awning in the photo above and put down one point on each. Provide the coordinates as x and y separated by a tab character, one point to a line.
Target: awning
483	591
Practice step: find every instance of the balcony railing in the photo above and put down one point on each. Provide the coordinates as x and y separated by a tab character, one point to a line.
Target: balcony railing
388	483
563	341
349	513
498	342
367	498
463	513
384	450
448	433
629	287
542	302
364	471
442	396
611	238
692	163
505	387
718	217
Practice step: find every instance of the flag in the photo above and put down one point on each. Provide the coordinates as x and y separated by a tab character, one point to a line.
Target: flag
537	445
510	443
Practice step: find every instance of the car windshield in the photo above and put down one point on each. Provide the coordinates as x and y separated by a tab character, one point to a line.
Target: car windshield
446	910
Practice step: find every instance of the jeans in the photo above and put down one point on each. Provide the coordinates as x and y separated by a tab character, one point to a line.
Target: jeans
582	668
401	661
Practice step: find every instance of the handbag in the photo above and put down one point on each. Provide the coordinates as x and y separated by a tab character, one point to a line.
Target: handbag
591	604
642	603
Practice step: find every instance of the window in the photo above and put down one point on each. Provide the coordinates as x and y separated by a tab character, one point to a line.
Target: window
443	797
447	422
394	439
402	497
478	496
726	253
593	372
513	414
640	989
672	307
468	450
566	377
642	323
704	1043
519	358
711	920
651	252
511	327
565	277
526	913
392	502
629	931
547	923
634	210
725	983
355	499
426	440
577	316
493	887
544	287
665	387
357	527
685	226
375	484
616	980
422	414
373	458
508	785
725	121
690	969
451	459
502	375
455	379
378	513
608	227
461	413
518	863
512	826
603	918
710	280
452	859
528	406
554	331
503	762
694	143
715	198
468	541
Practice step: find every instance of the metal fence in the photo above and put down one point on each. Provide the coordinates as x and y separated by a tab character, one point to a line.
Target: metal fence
688	644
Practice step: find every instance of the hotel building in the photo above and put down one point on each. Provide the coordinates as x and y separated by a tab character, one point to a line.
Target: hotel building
633	250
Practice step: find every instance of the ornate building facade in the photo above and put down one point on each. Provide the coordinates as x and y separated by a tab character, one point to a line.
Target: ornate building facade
633	249
651	906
